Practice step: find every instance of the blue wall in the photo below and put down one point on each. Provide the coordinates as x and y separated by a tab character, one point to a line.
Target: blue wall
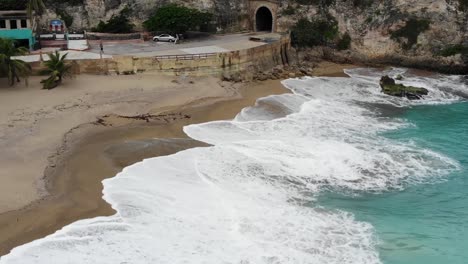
23	33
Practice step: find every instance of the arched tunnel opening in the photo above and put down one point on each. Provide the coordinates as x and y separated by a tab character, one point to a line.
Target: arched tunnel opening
264	20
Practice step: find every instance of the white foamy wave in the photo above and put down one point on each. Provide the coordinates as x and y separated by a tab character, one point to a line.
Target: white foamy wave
331	144
442	88
250	198
175	210
272	107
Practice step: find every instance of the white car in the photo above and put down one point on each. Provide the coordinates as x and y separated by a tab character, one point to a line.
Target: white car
165	37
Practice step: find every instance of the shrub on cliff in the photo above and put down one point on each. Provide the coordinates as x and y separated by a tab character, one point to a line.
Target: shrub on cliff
463	5
178	19
319	31
345	42
454	50
323	3
55	3
13	4
362	3
410	31
67	18
289	10
116	24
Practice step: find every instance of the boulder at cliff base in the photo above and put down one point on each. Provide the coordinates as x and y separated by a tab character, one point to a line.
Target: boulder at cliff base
389	87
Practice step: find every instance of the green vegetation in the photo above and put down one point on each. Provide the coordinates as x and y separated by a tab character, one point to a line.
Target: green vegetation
67	18
305	2
411	31
400	90
57	69
117	23
389	87
345	42
36	6
323	3
288	11
14	69
327	3
174	18
67	2
362	3
463	5
453	50
319	31
13	4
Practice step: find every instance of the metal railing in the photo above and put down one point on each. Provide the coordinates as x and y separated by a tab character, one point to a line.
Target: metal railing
185	56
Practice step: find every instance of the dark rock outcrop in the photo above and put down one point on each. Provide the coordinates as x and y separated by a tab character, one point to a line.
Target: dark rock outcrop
389	87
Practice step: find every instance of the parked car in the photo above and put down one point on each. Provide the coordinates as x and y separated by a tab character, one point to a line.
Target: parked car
165	37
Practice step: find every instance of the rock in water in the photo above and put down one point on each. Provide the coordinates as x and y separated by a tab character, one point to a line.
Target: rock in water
389	87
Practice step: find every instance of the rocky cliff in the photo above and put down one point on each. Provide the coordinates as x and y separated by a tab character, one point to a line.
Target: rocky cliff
396	31
87	13
390	30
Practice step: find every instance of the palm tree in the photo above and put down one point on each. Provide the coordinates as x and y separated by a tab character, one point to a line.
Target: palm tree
35	7
13	68
57	69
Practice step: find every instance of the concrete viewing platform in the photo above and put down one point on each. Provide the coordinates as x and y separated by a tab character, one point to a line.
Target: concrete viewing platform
214	55
213	44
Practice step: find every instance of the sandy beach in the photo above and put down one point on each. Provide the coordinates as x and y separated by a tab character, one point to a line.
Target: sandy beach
57	146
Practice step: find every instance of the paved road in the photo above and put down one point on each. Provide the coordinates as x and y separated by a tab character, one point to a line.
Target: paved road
206	45
213	44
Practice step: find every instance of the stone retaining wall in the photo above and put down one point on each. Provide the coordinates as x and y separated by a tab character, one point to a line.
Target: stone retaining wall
245	61
109	36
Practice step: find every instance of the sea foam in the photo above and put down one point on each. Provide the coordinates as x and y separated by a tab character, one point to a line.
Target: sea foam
250	198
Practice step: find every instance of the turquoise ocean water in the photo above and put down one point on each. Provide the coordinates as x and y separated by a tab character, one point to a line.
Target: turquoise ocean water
428	223
335	172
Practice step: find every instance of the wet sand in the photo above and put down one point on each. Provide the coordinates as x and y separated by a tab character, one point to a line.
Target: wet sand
94	151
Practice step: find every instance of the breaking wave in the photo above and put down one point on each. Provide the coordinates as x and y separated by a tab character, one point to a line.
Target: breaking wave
250	198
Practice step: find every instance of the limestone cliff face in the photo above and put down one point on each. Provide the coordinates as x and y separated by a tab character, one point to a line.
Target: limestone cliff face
373	23
88	13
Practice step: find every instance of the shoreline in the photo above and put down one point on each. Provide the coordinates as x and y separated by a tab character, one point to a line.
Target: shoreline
91	152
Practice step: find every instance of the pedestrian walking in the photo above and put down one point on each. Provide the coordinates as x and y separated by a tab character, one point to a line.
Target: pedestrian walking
102	48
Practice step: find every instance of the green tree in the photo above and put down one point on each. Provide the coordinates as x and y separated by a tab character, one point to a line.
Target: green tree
117	24
13	4
345	42
174	18
35	8
14	69
57	69
463	5
66	17
319	31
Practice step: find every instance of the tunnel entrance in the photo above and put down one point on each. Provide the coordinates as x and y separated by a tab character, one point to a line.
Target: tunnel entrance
264	20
